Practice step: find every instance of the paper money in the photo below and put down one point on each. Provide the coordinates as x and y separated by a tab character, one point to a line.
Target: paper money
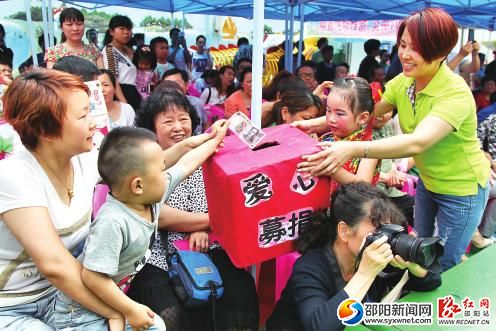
244	128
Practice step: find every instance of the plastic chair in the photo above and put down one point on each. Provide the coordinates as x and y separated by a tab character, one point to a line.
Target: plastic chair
193	91
213	113
99	197
410	185
284	268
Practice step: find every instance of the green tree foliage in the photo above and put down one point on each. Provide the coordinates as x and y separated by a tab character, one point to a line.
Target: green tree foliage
96	19
36	15
268	29
178	23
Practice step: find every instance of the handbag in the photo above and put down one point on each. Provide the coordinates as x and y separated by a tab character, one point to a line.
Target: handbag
195	279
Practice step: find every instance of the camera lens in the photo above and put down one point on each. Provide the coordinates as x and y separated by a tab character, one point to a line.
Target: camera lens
422	251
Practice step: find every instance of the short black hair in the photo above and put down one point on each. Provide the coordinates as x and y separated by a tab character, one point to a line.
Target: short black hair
162	100
120	21
172	31
139	36
344	64
71	14
245	71
243	59
307	63
157	40
175	71
371	45
321	42
289	83
210	73
121	153
328	48
487	78
373	67
78	66
243	41
41	41
90	30
200	36
5	60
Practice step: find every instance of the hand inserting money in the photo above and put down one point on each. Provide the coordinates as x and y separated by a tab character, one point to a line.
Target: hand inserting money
243	127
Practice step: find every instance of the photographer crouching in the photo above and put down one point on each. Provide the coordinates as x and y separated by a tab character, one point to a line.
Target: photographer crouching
344	251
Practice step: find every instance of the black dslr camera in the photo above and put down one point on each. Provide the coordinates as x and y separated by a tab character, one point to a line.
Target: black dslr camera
422	251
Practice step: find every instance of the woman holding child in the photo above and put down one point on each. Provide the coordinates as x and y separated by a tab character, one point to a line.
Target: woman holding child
171	117
46	196
437	114
45	203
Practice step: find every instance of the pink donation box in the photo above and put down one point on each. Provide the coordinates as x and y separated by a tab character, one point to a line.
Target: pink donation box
257	202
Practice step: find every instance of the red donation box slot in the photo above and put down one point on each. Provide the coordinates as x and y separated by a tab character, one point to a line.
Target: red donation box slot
257	202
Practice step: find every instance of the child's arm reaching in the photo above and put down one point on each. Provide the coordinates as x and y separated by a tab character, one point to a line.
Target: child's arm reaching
137	315
365	173
193	159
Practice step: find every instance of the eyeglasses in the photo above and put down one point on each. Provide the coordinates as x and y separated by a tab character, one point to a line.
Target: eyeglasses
306	75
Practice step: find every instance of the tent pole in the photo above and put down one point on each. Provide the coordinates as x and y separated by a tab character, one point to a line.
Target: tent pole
51	36
286	40
302	30
257	62
291	33
27	6
45	22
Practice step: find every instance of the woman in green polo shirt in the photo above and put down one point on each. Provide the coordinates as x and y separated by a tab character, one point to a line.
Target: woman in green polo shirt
437	115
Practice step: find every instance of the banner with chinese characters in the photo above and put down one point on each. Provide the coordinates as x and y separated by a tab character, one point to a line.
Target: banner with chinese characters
358	29
258	202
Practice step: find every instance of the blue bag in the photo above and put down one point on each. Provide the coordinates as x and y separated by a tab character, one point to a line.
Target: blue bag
195	278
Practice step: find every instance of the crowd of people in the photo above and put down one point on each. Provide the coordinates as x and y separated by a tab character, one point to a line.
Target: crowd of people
411	113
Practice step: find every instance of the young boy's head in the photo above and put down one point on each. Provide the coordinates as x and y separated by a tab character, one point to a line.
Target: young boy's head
131	162
341	70
78	66
327	53
372	47
377	73
160	46
5	70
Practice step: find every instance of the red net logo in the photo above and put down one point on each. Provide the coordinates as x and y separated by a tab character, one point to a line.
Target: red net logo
447	308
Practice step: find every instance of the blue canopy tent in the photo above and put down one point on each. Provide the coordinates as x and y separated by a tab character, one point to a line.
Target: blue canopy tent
468	13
